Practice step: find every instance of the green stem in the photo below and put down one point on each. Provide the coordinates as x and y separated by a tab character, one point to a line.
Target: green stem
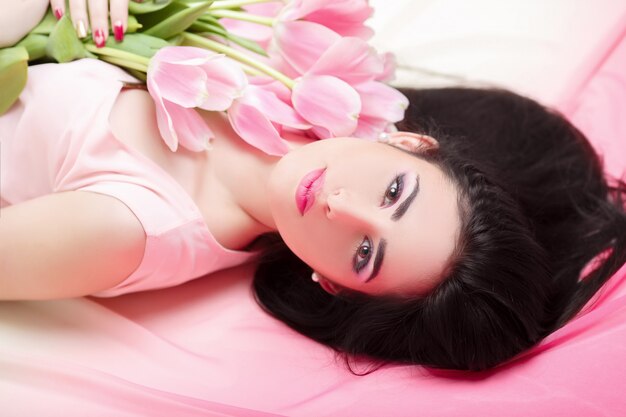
230	4
251	71
247	17
118	54
196	40
122	63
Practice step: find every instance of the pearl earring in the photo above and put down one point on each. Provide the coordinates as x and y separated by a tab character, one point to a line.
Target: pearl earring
315	277
383	137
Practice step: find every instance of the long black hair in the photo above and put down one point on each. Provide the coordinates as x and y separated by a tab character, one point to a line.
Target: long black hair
536	208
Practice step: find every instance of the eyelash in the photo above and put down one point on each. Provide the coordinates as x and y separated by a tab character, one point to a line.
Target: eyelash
360	264
399	180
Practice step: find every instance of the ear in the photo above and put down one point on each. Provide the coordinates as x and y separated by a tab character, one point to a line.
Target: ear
326	285
411	142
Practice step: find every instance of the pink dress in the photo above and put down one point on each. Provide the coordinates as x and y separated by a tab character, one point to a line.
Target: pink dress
57	138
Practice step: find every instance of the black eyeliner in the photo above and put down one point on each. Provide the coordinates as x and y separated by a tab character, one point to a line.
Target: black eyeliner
359	265
378	260
399	178
404	206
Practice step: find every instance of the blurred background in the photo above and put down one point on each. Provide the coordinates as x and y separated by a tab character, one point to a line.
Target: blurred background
541	48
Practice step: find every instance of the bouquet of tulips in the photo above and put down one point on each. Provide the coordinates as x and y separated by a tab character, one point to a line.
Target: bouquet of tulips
297	67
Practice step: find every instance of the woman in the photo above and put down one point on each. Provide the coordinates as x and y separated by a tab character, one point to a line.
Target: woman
455	252
535	210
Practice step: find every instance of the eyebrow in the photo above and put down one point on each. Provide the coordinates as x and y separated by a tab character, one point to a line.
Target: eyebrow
397	215
378	260
404	206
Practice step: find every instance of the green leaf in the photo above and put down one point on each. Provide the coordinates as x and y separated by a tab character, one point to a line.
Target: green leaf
13	75
46	25
173	20
63	43
211	20
35	45
147	6
139	44
202	26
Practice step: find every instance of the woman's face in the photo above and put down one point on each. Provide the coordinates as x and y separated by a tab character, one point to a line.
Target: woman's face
376	219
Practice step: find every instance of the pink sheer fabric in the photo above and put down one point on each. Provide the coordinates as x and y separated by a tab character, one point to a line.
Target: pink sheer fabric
206	349
43	153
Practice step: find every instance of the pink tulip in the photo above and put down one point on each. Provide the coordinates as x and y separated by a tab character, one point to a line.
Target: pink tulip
349	59
253	31
328	103
345	17
382	106
260	116
253	127
301	44
178	124
182	77
305	29
389	67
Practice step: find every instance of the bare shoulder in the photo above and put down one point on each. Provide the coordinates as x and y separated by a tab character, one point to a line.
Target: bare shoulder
18	18
67	244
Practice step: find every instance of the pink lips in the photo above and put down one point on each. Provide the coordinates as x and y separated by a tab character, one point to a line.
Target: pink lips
308	187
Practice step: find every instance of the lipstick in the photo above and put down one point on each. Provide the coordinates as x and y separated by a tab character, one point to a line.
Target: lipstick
310	184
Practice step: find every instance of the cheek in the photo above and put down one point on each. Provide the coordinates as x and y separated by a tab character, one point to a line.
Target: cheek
324	248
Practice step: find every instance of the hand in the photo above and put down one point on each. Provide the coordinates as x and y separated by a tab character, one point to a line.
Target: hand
97	20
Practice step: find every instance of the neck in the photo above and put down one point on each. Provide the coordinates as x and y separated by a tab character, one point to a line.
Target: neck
244	172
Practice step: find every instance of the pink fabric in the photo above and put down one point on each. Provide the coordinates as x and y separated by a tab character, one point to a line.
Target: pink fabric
76	150
206	349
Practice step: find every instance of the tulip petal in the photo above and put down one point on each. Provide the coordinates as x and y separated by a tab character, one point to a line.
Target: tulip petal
164	121
345	17
350	59
273	108
225	81
370	128
191	129
389	67
297	9
270	84
184	55
254	31
344	22
382	101
181	84
254	128
327	102
302	43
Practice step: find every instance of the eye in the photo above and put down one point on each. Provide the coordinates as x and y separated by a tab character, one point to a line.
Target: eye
362	254
394	191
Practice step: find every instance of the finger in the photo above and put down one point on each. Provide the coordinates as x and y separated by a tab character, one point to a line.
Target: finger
78	12
119	18
58	7
99	18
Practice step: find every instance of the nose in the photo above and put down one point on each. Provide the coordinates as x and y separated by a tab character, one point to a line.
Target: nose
341	207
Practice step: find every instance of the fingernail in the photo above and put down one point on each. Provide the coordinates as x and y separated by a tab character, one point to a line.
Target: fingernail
80	29
118	30
98	38
58	13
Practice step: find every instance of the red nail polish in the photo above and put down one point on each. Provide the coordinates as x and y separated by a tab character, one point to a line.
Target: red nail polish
118	30
58	13
98	38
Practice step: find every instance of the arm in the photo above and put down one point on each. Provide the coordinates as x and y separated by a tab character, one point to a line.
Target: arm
67	244
18	17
